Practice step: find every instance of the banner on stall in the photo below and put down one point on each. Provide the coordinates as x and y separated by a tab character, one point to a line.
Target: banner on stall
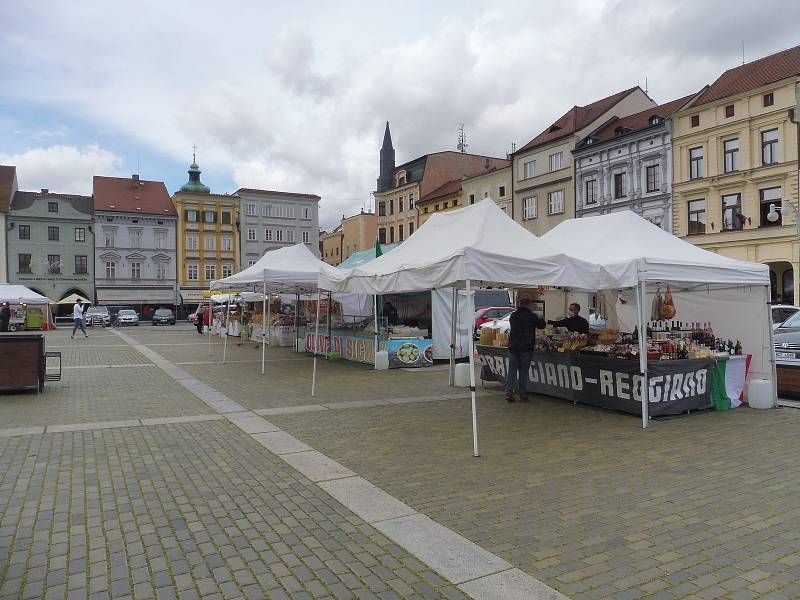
674	386
357	349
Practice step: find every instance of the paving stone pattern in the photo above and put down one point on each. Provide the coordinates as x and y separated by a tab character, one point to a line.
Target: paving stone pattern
584	499
195	510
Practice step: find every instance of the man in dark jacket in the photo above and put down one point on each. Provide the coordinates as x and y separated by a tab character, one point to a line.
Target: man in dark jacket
521	341
5	317
574	322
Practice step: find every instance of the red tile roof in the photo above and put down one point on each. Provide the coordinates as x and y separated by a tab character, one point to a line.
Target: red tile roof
6	183
274	193
576	118
122	194
451	187
752	75
640	120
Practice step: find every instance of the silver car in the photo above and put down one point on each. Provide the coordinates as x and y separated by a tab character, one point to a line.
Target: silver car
127	317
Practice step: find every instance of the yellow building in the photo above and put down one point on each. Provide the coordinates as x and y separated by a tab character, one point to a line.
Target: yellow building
353	234
207	237
332	246
455	194
443	199
735	169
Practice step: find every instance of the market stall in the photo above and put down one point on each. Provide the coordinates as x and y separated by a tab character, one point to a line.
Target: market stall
29	310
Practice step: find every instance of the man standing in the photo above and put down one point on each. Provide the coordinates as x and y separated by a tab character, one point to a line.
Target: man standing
77	315
5	317
200	318
521	341
574	322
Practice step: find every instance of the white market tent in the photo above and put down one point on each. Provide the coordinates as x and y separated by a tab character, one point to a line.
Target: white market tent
72	298
18	294
732	294
478	244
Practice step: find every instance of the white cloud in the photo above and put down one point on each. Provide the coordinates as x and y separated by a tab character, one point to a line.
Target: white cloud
63	169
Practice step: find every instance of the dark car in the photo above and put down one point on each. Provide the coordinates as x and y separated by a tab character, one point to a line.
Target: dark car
163	316
787	360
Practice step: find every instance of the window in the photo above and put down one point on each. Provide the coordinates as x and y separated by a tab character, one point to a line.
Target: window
191	216
53	233
161	270
251	234
591	191
211	272
266	210
111	269
501	191
24	232
411	201
209	242
400	204
653	173
191	242
411	228
485	194
697	216
732	219
288	212
226	218
731	151
136	270
695	163
555	202
382	235
769	99
556	161
24	263
400	232
268	235
227	244
54	264
279	235
52	207
306	237
110	237
529	208
306	214
290	235
391	206
136	238
81	265
472	198
391	235
161	239
80	234
771	198
529	169
250	263
278	210
729	111
227	270
444	205
695	120
620	186
209	216
381	209
191	273
769	147
250	209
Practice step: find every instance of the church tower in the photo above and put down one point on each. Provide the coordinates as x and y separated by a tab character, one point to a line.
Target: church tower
194	184
387	162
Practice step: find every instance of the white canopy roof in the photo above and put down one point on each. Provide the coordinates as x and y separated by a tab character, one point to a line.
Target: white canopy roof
72	298
625	244
19	294
480	243
291	269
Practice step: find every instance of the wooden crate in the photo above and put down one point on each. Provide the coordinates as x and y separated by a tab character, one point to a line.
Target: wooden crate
21	361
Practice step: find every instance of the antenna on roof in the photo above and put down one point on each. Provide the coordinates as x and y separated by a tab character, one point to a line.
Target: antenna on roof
138	172
742	52
645	84
462	139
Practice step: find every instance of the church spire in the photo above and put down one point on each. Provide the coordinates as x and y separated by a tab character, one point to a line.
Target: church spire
194	184
386	162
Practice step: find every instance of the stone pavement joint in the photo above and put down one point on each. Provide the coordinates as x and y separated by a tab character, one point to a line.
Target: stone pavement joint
511	584
15	431
92	426
316	466
365	499
279	442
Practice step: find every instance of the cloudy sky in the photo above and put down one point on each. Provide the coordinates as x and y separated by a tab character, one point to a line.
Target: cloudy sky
294	95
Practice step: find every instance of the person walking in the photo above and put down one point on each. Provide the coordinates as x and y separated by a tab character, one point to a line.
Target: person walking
200	318
77	315
5	317
521	341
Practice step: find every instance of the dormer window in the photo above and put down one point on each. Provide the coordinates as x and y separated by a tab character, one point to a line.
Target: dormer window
401	181
655	120
554	128
619	131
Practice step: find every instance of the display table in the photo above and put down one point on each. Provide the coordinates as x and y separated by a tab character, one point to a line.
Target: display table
676	386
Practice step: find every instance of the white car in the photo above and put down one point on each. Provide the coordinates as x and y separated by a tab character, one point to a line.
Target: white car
781	312
502	324
127	317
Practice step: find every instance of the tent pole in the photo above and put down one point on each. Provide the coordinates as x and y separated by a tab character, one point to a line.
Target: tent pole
453	337
475	451
269	319
297	324
263	321
330	340
227	328
773	368
641	298
316	345
210	322
375	306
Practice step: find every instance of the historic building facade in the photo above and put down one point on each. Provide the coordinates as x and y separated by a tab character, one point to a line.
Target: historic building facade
735	188
626	164
135	245
51	245
207	237
542	170
272	220
8	187
352	234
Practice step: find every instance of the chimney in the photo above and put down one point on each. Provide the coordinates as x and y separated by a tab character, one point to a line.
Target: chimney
135	178
45	191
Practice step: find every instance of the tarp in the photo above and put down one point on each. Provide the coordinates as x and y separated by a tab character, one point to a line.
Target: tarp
19	294
292	269
72	298
479	243
356	259
625	244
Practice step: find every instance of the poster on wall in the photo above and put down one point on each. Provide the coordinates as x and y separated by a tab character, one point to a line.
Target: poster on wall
410	353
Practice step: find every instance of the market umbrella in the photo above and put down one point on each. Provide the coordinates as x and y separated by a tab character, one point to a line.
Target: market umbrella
73	298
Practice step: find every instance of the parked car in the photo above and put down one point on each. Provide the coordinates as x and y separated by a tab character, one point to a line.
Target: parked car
163	316
502	324
787	361
97	315
782	312
491	297
127	316
791	324
490	313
